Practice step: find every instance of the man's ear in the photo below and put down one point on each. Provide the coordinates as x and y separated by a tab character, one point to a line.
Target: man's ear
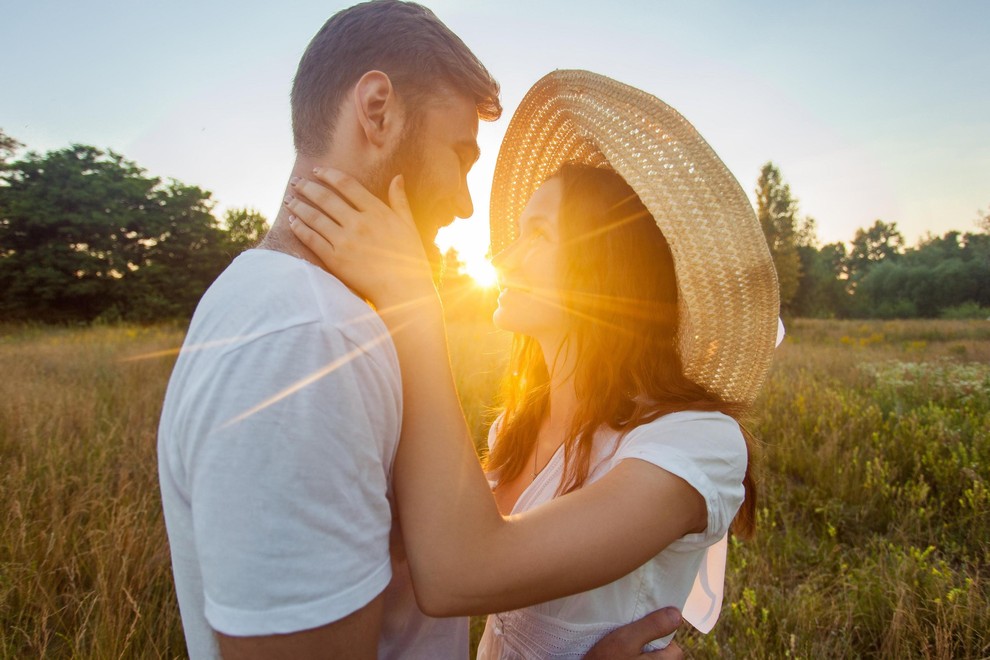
377	107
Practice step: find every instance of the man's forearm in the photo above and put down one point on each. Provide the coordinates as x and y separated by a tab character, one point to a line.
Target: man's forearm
354	636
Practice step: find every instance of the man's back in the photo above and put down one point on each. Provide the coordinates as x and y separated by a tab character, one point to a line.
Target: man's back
276	443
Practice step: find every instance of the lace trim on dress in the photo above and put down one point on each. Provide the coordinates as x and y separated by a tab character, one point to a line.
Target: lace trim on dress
526	635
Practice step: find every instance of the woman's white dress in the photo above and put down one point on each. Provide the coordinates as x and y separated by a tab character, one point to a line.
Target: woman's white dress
707	450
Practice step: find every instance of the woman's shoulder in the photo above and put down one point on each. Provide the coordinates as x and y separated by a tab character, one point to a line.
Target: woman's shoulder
691	431
710	420
494	429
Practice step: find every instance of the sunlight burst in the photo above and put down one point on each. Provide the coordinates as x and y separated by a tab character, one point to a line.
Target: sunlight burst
482	272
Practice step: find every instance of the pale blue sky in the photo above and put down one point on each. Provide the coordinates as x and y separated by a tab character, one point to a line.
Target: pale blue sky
871	109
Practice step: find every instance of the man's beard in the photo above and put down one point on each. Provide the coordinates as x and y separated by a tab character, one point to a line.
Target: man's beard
407	160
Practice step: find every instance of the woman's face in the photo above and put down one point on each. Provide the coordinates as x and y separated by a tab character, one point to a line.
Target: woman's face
530	302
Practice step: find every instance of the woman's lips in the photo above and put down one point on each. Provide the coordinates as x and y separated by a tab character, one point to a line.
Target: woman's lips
516	288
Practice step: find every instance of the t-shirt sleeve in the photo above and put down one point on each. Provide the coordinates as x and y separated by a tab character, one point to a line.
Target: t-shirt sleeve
707	450
289	491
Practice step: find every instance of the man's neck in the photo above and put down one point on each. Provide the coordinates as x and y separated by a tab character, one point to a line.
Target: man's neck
280	237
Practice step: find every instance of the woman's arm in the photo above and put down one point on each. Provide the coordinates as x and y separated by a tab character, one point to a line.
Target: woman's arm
464	556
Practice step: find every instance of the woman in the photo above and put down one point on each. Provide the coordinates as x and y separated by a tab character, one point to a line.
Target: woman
644	304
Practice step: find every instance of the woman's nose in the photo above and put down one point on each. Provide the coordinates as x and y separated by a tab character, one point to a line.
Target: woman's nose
501	261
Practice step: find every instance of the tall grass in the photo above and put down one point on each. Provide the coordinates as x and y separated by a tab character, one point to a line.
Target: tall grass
874	526
874	534
84	566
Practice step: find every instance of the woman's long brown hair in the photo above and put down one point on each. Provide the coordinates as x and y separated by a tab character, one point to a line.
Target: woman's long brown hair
620	294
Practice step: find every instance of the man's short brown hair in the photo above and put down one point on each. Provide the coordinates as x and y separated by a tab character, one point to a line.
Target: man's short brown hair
407	42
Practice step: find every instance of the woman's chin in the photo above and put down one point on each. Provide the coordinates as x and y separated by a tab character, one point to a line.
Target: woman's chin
525	319
498	318
503	320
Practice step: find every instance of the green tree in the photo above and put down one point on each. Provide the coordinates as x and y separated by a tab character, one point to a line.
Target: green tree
871	246
777	212
807	233
85	233
245	228
8	147
822	292
184	253
941	273
983	220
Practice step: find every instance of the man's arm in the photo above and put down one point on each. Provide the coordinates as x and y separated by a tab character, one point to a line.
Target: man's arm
354	636
288	496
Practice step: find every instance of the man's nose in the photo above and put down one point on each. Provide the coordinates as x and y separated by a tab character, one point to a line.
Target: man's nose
465	207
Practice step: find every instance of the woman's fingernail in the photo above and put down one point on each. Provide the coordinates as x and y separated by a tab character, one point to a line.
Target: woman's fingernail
287	200
316	171
292	219
294	181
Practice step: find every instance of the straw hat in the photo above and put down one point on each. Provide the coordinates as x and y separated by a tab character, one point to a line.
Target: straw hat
726	281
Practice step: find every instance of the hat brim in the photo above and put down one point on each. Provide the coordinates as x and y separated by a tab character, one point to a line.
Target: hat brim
727	285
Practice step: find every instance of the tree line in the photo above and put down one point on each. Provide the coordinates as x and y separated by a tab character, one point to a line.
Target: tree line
86	234
876	275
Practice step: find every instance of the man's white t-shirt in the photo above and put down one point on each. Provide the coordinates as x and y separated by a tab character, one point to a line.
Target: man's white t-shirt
275	451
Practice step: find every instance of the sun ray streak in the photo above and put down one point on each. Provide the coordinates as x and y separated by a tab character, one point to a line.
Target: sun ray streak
191	348
333	366
308	380
548	297
616	306
227	341
604	229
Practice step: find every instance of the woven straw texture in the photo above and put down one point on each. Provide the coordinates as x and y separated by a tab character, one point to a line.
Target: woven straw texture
725	277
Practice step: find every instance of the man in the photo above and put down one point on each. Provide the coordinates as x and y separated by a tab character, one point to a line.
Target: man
282	416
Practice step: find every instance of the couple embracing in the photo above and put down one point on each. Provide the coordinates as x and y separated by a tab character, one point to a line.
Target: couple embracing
643	302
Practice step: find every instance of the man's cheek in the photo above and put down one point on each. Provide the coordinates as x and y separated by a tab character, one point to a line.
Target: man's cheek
418	205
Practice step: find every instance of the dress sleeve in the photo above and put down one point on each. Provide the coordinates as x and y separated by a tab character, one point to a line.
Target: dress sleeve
493	431
492	436
707	450
289	491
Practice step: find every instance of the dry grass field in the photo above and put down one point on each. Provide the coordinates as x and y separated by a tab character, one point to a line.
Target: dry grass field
874	536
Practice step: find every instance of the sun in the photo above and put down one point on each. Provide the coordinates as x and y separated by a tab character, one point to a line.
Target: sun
469	239
481	271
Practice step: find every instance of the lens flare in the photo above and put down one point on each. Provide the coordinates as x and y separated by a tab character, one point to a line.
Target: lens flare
482	272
